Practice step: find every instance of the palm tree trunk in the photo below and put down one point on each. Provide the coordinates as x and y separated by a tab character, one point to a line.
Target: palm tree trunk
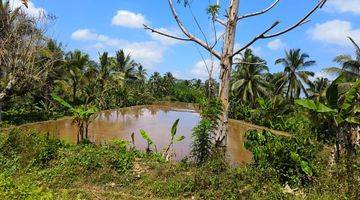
225	74
87	130
350	154
0	112
74	93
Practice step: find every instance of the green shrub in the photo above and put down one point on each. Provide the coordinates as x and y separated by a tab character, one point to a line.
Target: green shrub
120	158
22	189
202	141
292	158
203	134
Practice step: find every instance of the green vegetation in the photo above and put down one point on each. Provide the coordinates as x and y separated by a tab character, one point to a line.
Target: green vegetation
35	166
319	159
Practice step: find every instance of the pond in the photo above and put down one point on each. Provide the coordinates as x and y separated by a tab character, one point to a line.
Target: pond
157	121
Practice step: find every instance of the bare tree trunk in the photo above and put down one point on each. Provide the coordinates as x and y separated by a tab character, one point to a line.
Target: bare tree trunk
227	54
225	74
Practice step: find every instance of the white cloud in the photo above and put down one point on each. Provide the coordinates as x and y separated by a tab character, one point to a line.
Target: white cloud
200	71
87	35
32	10
129	19
148	53
276	44
335	32
343	6
102	40
163	39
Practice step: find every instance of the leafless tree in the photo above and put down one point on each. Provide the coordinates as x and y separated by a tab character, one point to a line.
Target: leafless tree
228	52
22	46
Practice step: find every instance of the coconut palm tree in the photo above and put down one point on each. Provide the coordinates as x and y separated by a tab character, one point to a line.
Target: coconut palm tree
350	67
76	63
249	82
140	73
294	77
318	88
105	69
53	52
125	64
169	79
168	83
155	84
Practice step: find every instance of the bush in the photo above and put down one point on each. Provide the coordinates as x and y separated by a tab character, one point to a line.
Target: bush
22	189
292	158
202	141
203	135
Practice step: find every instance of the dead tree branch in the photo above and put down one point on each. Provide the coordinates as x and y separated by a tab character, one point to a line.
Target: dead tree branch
220	21
190	37
165	34
299	23
260	12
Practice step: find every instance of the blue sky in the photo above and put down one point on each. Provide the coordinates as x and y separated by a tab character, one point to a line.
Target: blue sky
96	25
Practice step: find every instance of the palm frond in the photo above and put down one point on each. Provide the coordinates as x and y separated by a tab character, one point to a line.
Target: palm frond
333	70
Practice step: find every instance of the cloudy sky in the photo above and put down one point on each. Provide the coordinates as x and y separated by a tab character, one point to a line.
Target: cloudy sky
96	26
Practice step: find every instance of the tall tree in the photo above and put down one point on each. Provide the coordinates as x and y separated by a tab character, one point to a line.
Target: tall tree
318	88
21	45
105	69
249	78
155	84
294	76
168	83
350	67
141	73
76	62
53	51
125	64
228	52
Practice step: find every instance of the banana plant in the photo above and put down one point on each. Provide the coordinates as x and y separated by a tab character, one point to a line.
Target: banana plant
46	108
344	112
149	141
173	138
82	117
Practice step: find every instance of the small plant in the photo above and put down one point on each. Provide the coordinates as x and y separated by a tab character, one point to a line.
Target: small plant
47	108
203	134
149	141
82	117
202	141
173	132
166	153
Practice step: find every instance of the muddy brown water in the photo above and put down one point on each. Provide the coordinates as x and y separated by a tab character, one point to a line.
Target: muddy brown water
157	121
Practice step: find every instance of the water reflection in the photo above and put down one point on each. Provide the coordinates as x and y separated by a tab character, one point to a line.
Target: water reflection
156	120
